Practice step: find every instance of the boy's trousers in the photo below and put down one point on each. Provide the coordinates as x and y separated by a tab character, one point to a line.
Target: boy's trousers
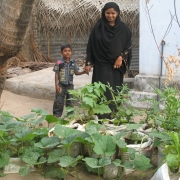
64	95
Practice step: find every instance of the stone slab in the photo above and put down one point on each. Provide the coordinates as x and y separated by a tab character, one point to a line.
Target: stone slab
40	84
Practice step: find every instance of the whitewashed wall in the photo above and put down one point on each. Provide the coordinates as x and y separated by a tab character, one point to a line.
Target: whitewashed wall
160	13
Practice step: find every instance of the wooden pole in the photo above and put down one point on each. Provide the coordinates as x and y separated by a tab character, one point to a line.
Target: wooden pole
48	44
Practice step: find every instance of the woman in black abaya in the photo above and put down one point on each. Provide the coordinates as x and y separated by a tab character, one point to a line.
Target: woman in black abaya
109	48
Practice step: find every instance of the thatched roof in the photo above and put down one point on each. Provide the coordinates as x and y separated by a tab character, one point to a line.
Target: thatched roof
76	17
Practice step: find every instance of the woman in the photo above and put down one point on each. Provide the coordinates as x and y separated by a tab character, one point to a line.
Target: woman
109	48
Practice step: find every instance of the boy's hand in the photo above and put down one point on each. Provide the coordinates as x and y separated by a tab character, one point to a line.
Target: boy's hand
58	89
85	72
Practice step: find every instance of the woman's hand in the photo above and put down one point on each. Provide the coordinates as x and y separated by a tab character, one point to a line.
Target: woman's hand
87	69
118	62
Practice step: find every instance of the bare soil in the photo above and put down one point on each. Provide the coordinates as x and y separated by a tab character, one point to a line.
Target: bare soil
21	105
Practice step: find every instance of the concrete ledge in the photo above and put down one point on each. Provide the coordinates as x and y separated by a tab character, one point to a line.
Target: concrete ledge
40	84
138	97
145	83
129	82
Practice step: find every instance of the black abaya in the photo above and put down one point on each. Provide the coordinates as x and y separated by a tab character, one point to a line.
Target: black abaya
106	43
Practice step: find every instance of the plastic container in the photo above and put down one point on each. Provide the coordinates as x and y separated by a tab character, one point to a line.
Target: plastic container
111	171
146	149
161	155
14	165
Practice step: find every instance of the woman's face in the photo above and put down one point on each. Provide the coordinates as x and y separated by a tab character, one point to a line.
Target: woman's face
111	15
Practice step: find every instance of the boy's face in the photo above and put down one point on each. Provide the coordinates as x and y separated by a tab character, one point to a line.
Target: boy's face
66	52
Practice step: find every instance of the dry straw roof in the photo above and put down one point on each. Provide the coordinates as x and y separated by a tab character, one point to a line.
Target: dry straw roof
78	16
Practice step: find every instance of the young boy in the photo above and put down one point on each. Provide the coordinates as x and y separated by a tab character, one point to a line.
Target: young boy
64	70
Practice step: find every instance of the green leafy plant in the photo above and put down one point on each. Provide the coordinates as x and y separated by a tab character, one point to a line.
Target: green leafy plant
164	112
24	138
91	101
172	152
123	110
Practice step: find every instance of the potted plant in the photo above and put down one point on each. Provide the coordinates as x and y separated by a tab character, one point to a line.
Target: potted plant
91	101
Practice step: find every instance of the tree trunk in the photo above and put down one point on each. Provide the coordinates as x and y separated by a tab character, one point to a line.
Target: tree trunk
14	19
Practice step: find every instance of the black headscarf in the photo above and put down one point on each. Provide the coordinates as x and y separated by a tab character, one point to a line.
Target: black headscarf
107	42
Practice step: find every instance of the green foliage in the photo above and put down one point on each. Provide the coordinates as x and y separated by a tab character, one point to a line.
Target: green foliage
23	171
91	101
172	152
166	117
4	159
103	144
54	155
23	137
123	110
141	162
97	163
68	161
55	172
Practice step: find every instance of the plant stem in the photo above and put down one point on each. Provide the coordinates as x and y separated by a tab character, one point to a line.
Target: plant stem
99	178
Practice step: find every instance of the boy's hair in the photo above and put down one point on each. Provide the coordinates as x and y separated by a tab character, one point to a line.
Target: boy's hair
65	46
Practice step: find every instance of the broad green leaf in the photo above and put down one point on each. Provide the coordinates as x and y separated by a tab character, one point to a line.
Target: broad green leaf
28	116
101	109
175	138
48	142
120	143
117	162
120	135
141	162
41	131
92	162
82	137
53	172
89	101
54	156
1	133
31	157
93	128
69	141
67	161
104	161
63	132
37	120
42	160
132	153
97	92
104	144
29	135
172	160
4	159
39	111
103	86
23	171
163	136
51	119
128	112
5	113
128	164
177	123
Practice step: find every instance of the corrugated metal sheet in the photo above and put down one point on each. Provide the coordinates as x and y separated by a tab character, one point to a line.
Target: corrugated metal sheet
135	54
79	50
135	59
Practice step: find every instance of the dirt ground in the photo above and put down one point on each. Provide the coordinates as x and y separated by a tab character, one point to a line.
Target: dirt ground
21	105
